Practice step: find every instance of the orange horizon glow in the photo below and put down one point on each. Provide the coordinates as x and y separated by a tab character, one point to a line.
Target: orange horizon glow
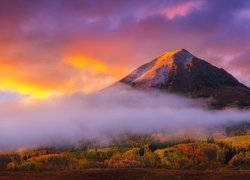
92	75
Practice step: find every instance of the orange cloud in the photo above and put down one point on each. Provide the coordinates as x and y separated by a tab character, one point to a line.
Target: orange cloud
42	80
28	89
13	79
94	65
94	73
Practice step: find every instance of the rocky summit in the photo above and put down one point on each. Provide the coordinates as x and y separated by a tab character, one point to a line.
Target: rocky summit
181	72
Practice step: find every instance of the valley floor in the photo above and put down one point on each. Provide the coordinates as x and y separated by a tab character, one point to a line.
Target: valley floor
124	174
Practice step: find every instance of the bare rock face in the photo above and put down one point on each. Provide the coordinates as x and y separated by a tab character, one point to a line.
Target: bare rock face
181	72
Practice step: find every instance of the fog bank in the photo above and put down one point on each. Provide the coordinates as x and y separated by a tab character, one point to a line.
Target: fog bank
72	118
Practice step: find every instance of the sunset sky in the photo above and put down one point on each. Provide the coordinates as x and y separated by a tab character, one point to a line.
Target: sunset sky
56	47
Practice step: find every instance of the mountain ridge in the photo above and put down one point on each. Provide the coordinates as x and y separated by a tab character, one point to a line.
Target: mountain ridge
181	72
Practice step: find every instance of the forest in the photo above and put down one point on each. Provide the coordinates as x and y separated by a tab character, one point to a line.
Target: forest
135	151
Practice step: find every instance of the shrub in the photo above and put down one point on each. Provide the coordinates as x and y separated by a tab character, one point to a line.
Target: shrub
150	159
174	159
30	166
4	160
8	157
12	166
193	155
84	163
91	154
241	160
129	159
105	153
57	161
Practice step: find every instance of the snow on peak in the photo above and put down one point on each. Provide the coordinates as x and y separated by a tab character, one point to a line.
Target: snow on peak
179	55
156	72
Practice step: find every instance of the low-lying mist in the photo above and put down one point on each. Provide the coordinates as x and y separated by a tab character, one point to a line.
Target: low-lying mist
65	120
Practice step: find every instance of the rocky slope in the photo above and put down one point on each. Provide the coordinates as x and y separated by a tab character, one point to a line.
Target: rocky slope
181	72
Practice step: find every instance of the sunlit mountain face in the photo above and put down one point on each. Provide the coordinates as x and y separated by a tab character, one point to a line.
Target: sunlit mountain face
54	48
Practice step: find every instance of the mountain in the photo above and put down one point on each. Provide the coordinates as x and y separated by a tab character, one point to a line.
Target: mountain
181	72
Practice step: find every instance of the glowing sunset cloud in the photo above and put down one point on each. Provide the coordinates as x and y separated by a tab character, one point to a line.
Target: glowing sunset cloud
93	65
28	89
87	63
94	72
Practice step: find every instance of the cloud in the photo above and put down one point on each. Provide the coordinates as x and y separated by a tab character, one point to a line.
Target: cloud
67	120
181	10
121	35
240	65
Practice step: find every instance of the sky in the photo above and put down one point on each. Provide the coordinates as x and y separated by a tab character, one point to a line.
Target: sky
58	47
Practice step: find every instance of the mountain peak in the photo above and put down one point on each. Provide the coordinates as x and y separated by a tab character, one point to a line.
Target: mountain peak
175	57
156	73
176	51
179	71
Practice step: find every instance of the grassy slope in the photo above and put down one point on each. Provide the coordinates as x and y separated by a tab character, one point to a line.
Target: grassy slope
237	141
